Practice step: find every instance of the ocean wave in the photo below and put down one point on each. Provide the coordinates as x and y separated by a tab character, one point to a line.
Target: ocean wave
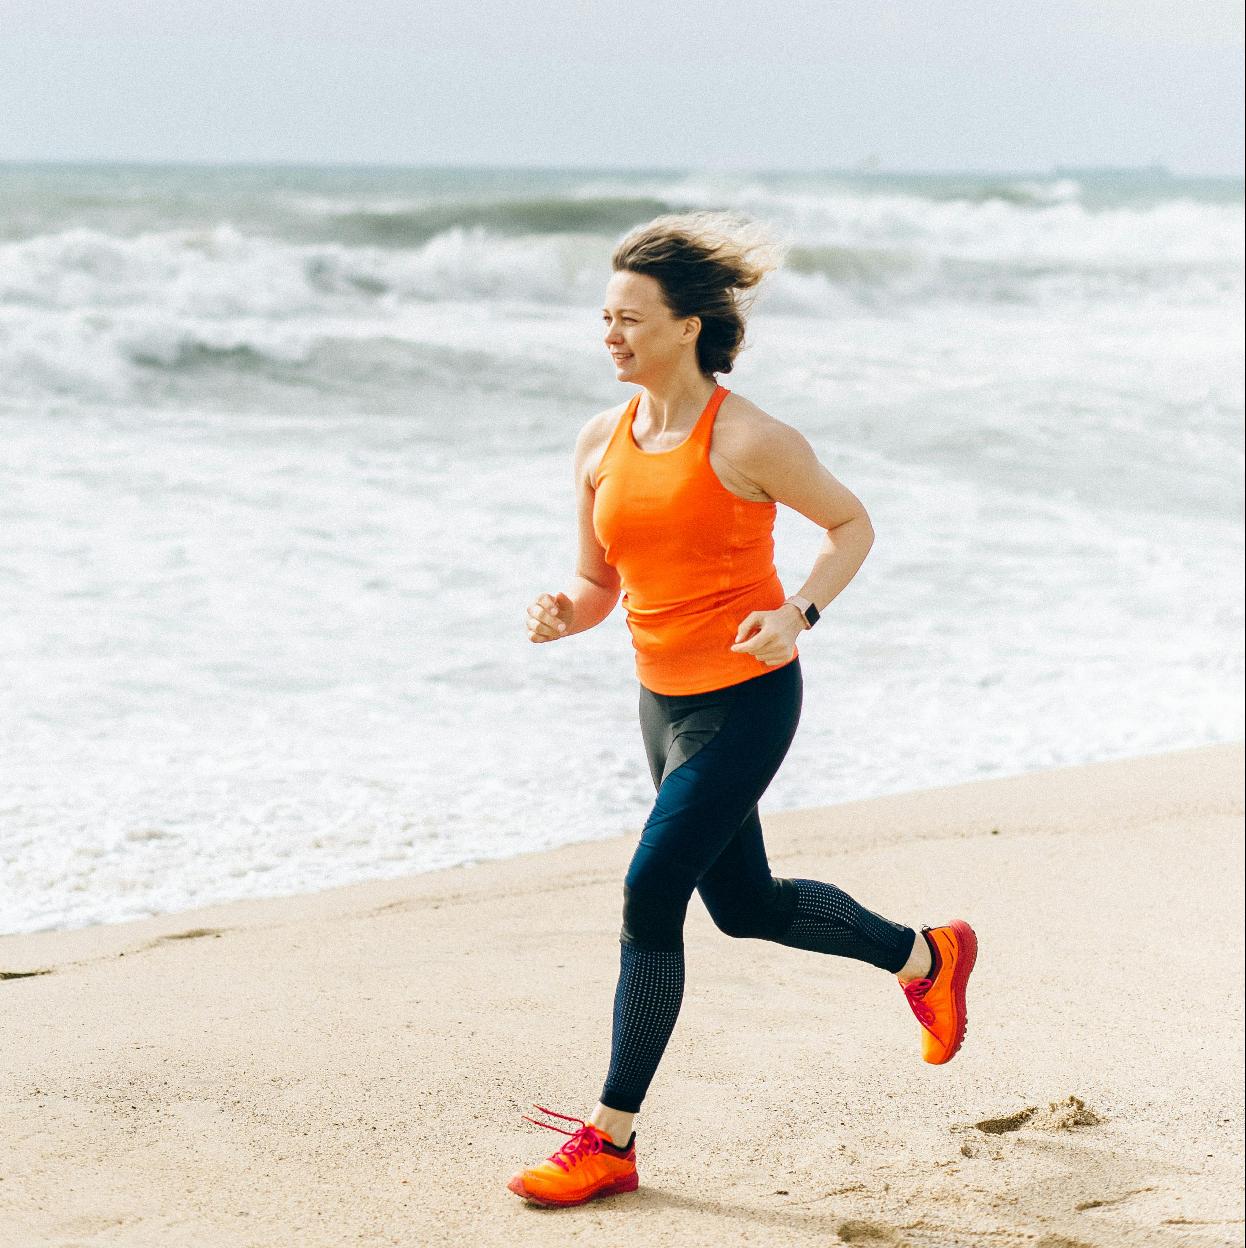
399	226
223	272
847	239
1021	193
144	358
85	311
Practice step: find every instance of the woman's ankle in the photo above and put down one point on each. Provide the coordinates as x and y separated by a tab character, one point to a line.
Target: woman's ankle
614	1122
921	960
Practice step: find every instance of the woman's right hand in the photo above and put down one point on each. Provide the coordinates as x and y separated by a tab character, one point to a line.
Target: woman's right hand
550	617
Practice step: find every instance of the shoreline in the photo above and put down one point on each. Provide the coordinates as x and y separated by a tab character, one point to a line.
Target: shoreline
250	911
350	1065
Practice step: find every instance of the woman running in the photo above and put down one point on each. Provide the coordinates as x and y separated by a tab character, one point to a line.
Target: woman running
677	494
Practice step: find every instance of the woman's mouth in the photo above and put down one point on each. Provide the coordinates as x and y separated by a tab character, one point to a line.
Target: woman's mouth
620	358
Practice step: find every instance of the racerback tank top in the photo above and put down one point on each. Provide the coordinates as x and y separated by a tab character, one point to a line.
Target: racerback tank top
694	558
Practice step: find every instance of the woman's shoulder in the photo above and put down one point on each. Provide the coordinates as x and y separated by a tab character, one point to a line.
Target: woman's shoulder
597	429
742	424
594	437
750	448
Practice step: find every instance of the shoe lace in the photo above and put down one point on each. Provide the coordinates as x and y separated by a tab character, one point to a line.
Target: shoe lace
915	990
583	1143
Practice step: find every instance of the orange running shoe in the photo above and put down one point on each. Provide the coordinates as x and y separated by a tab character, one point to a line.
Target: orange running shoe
589	1164
939	1001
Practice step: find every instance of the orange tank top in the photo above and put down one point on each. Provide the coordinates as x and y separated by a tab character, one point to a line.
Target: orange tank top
694	558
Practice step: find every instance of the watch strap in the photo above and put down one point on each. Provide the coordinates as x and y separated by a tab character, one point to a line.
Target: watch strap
808	612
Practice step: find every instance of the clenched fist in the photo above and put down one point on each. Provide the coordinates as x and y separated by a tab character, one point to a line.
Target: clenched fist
550	617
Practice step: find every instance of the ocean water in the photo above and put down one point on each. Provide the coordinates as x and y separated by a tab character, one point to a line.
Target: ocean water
285	454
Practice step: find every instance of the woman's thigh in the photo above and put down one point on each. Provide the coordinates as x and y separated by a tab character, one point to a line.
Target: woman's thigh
704	798
739	880
676	726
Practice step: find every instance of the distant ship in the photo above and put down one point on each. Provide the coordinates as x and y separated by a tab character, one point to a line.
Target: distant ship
1155	170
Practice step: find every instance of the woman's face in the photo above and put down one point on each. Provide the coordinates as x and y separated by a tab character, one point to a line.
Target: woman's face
642	336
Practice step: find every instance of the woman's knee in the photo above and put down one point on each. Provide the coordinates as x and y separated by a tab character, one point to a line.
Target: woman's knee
655	904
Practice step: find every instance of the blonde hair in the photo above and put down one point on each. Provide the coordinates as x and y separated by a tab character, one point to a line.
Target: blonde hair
705	263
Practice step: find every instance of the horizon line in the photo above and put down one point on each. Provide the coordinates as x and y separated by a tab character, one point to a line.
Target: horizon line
863	169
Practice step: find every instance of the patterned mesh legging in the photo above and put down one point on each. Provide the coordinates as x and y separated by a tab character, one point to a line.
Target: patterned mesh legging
711	756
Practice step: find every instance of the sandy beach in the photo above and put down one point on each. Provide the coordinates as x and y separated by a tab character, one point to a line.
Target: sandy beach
350	1067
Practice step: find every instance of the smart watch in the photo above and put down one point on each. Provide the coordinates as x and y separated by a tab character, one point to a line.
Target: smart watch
808	612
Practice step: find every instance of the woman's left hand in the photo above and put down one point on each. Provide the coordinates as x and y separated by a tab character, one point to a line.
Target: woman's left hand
772	644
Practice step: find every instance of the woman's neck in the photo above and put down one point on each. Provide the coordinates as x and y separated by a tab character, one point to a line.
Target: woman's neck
673	406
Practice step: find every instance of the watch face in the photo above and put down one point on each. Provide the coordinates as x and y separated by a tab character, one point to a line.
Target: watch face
812	615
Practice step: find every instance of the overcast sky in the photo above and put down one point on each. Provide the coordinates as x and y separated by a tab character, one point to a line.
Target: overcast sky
798	84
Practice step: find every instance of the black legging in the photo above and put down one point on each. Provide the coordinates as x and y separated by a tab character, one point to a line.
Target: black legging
712	756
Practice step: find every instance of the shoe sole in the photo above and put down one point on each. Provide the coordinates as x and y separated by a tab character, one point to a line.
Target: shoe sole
967	955
628	1183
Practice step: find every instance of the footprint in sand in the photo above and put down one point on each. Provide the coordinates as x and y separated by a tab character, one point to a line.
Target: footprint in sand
997	1126
1062	1115
871	1234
